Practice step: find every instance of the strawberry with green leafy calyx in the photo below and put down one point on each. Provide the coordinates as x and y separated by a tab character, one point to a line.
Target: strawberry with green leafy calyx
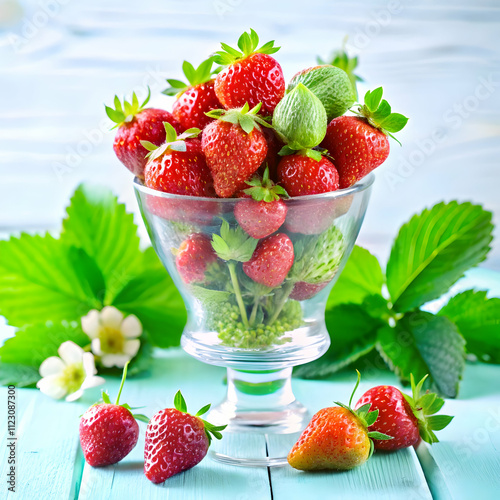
176	440
359	143
337	438
109	432
378	113
265	212
232	246
251	75
137	123
178	166
235	147
196	98
408	418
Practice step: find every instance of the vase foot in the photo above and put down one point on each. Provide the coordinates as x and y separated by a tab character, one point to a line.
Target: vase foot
253	450
259	409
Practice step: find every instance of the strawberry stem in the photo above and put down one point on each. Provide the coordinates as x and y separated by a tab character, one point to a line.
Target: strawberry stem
287	290
124	376
254	311
355	388
237	293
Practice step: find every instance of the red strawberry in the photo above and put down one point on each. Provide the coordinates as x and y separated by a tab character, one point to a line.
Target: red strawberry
195	99
136	124
302	175
178	166
360	144
265	212
176	441
271	260
260	218
303	291
252	75
195	254
406	418
109	432
183	210
234	147
336	438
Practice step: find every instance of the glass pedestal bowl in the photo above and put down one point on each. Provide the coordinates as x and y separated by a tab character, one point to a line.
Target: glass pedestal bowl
258	333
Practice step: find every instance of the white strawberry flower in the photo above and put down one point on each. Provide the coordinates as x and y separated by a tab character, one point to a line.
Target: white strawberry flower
114	337
68	374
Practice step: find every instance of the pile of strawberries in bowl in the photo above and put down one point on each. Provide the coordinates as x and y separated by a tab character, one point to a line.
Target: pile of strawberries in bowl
251	148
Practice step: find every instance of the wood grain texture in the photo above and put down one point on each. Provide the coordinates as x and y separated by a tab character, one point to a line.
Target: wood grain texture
49	460
393	476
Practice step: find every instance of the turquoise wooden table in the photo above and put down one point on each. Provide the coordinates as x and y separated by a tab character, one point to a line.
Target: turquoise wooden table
464	465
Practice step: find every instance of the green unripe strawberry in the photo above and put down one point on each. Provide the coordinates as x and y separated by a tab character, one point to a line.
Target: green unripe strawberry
331	85
300	119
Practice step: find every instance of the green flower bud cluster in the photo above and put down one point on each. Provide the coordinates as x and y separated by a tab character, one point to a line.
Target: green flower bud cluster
225	319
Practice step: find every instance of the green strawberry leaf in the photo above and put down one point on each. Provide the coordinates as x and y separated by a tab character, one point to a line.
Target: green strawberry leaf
41	279
353	334
101	226
394	122
373	98
180	402
377	112
361	277
415	346
141	417
203	410
247	43
434	249
155	300
126	112
189	71
233	243
478	320
18	375
34	343
379	435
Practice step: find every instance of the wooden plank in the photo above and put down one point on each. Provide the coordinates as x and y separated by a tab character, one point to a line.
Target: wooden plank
465	463
385	475
210	480
47	447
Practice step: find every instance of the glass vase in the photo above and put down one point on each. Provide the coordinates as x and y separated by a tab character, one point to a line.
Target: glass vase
259	333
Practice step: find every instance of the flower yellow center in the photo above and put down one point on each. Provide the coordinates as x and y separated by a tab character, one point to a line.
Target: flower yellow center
72	377
112	340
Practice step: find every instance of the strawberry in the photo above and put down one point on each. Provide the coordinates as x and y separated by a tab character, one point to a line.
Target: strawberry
301	175
304	291
195	99
178	166
265	212
193	257
136	124
336	438
271	260
235	147
176	441
359	144
109	432
252	76
408	419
